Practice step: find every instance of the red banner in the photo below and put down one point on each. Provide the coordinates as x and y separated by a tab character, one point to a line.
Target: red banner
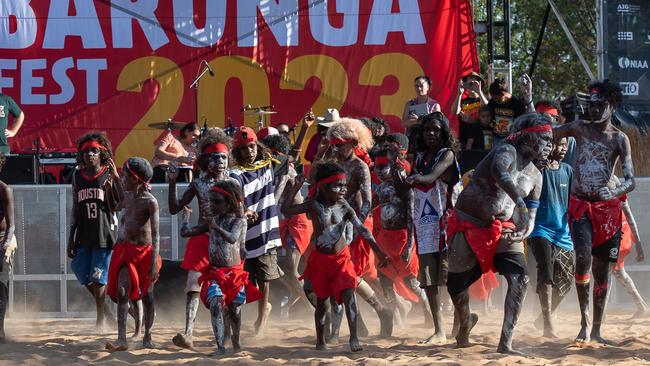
118	65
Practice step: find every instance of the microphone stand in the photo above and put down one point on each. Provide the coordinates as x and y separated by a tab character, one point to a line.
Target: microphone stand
37	142
195	86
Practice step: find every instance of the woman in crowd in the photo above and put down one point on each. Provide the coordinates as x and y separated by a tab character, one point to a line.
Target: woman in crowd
178	151
412	109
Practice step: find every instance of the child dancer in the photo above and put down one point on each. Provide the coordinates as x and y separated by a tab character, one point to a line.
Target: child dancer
349	140
93	225
135	264
224	283
254	173
213	164
393	228
329	267
550	240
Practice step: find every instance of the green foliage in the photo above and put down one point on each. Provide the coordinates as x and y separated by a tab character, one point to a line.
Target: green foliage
558	72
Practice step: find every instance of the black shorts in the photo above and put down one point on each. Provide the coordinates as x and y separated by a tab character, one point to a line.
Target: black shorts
263	268
504	263
582	232
432	269
555	266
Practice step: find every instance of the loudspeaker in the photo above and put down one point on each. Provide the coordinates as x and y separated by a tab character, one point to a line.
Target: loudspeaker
20	169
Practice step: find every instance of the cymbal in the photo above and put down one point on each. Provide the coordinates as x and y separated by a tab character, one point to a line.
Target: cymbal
167	125
258	112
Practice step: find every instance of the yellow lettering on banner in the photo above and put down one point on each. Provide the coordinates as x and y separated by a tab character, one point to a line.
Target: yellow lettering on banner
334	84
212	90
139	142
403	67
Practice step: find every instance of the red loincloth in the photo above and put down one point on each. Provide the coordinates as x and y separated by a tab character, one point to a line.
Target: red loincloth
625	247
605	216
300	229
484	241
392	243
480	290
330	274
230	281
137	259
362	255
196	253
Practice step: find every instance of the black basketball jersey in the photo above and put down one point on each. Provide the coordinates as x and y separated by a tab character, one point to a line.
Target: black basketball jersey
96	224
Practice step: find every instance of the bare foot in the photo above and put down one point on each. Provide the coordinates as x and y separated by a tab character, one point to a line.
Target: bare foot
321	346
182	341
219	352
355	346
582	336
509	351
596	337
403	309
102	328
462	340
549	331
386	323
147	343
641	313
333	340
235	343
436	338
117	346
260	324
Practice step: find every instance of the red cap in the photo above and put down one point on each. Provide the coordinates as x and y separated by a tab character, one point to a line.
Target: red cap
267	131
244	135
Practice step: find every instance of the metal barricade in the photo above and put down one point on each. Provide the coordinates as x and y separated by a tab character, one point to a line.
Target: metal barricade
43	284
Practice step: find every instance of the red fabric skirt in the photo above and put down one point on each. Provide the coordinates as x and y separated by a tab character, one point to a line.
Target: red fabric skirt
137	259
605	216
330	274
392	243
480	290
299	228
362	255
196	253
626	244
484	241
230	281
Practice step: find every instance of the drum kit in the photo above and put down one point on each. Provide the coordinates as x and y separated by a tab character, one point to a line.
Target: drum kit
261	111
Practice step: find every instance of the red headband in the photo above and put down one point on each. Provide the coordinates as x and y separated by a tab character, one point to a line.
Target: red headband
92	143
338	141
384	160
216	148
326	180
222	191
544	108
538	128
146	183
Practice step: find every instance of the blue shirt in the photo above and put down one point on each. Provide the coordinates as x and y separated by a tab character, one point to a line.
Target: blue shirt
551	222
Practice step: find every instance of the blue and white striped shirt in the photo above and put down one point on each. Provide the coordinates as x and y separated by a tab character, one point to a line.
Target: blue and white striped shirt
258	189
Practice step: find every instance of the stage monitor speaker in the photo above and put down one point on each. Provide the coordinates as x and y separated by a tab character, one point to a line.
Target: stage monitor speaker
19	169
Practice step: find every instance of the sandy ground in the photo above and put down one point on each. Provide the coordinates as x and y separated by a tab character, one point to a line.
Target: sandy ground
290	342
